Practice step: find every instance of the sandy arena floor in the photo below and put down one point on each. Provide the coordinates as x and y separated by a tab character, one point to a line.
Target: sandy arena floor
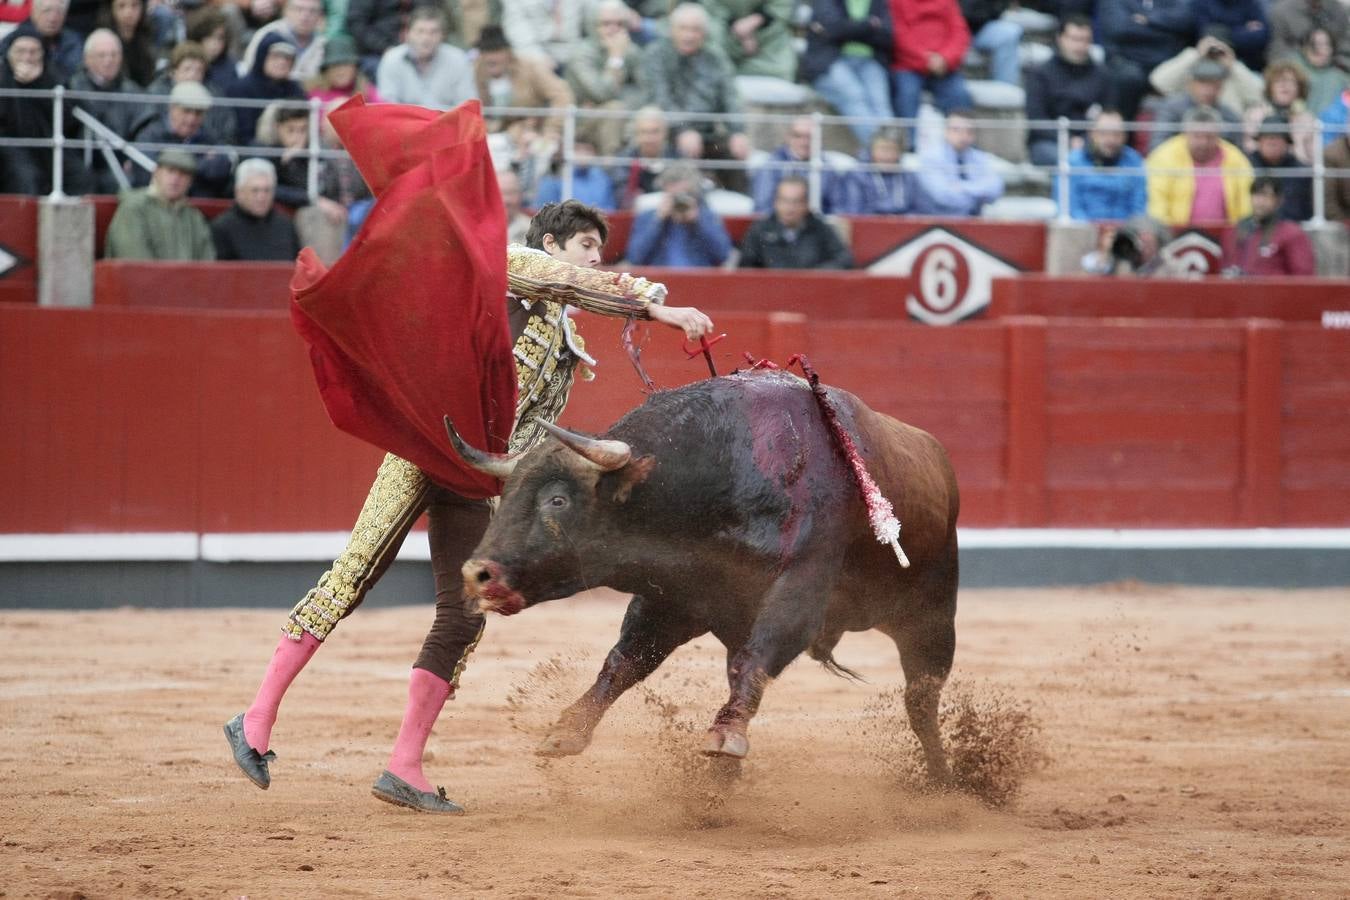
1197	743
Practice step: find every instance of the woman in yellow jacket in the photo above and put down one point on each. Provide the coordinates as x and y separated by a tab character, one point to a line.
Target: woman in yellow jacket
1177	196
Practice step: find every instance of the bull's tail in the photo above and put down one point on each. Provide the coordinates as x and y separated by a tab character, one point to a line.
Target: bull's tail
834	668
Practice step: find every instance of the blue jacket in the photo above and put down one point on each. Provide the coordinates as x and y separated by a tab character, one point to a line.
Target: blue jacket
590	185
764	183
1170	29
943	192
1250	45
1334	118
1106	195
659	242
876	193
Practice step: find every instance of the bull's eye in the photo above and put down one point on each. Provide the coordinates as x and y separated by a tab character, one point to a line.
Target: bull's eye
557	502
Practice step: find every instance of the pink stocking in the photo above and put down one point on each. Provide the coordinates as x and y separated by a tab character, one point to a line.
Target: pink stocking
427	693
287	661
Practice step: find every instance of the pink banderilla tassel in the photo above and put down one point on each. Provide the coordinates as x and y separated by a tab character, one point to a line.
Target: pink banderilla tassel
880	513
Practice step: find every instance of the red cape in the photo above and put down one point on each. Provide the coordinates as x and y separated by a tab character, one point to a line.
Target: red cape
410	323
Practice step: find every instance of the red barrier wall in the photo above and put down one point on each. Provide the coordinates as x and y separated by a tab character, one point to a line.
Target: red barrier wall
1287	299
151	420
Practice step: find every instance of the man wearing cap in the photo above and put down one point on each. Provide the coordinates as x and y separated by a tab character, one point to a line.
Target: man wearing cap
1202	90
299	24
156	222
1241	87
1274	152
184	122
424	70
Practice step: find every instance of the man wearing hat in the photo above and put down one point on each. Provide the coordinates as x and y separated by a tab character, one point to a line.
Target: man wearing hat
299	24
184	122
156	222
1274	152
1241	86
1202	90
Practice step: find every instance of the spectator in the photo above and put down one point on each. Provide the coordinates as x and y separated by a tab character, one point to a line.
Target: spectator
590	183
339	77
128	21
424	70
1286	95
28	170
1291	21
682	231
253	228
1138	248
682	72
1240	87
756	35
793	157
793	237
184	122
157	222
1325	80
647	155
605	73
1197	177
504	79
547	32
210	27
1070	84
931	39
187	64
252	15
1265	243
1336	189
513	198
377	26
1115	189
1335	117
848	58
884	191
954	178
268	79
62	47
103	73
299	25
1273	153
1247	23
1202	90
995	37
1140	35
286	128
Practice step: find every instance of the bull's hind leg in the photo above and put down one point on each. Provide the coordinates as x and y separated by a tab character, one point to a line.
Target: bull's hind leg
792	614
926	639
650	633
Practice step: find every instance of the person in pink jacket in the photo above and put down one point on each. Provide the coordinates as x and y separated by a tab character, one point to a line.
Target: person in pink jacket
931	39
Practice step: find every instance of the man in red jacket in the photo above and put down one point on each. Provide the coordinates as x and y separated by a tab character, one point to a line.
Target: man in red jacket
931	38
1265	244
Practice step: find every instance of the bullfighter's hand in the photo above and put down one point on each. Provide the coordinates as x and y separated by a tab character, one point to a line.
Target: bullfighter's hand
694	323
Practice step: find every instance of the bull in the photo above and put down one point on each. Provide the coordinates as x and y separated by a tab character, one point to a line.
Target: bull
727	506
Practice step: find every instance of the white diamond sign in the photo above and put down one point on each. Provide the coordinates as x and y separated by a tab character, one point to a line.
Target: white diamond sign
1195	252
7	261
952	279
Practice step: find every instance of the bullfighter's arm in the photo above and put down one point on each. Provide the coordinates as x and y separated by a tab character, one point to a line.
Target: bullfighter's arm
535	275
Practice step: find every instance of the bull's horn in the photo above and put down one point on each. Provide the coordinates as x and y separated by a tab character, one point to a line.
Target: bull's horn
495	464
608	455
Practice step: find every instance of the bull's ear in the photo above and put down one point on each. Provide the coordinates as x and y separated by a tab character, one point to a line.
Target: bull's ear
633	473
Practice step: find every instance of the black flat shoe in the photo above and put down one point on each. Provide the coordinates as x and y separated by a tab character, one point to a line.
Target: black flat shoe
253	763
392	789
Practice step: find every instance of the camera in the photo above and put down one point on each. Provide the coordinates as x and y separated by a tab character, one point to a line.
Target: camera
683	203
1216	51
1127	248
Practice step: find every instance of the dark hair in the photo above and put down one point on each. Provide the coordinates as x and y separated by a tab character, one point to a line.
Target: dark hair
563	220
186	50
290	113
427	13
492	38
203	22
1267	183
792	179
1074	20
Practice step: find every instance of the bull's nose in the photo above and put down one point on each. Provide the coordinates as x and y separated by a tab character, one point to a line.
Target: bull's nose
478	572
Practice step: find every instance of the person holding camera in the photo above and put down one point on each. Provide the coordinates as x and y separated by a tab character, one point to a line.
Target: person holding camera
1203	89
681	232
1239	86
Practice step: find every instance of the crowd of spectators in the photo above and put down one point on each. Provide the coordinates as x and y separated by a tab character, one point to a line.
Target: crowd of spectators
1180	107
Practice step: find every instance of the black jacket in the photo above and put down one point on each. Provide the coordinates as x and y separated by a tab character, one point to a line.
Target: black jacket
817	246
239	235
1297	204
831	28
1061	88
377	24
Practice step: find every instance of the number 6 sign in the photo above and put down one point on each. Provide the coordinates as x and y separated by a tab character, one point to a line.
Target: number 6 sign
951	278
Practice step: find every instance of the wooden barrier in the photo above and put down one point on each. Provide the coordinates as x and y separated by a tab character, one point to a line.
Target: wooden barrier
207	421
1286	299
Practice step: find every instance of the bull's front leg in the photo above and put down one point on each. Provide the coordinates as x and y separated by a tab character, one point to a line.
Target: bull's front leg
651	632
793	612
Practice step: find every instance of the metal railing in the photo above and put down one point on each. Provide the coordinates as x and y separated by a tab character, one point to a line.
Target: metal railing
1061	173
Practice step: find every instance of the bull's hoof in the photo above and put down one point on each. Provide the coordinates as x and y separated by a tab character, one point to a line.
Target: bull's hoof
733	744
563	743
